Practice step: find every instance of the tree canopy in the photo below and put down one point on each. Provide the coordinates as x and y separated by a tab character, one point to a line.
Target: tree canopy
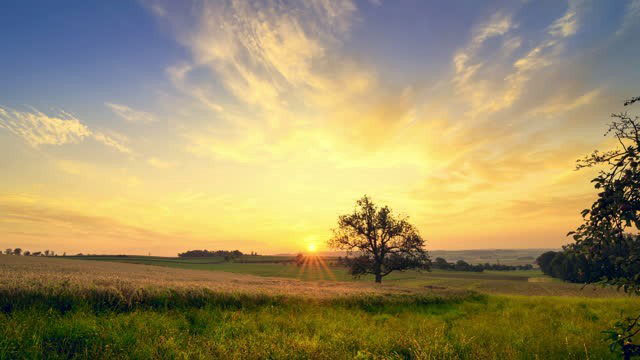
378	242
608	240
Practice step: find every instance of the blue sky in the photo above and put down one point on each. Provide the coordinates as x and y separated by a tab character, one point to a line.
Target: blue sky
153	125
60	50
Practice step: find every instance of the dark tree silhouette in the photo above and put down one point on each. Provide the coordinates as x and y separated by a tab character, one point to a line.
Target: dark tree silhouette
378	242
606	238
441	263
17	251
299	259
544	261
227	255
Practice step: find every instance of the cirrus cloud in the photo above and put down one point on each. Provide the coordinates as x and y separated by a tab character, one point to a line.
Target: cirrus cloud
38	128
131	115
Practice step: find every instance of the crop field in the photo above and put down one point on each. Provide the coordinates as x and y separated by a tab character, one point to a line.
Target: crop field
61	308
519	282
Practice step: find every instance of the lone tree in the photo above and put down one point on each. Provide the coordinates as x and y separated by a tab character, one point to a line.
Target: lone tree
378	242
608	239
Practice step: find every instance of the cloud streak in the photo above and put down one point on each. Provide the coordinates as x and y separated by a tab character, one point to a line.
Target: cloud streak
131	115
38	128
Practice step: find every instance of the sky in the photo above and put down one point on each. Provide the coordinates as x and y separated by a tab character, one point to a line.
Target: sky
160	126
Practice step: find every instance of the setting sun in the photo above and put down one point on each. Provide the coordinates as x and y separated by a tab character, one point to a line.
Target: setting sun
312	247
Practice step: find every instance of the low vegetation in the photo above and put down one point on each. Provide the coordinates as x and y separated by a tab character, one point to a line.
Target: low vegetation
62	308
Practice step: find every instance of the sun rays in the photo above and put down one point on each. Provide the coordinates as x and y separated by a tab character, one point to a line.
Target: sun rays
314	267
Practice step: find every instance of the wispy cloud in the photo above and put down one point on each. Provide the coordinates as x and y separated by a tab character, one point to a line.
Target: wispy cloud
495	84
285	81
38	128
567	25
131	115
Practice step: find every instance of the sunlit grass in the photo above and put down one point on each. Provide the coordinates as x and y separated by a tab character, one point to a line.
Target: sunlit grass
490	328
55	308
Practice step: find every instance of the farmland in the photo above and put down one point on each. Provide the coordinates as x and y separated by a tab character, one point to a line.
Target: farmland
63	308
527	282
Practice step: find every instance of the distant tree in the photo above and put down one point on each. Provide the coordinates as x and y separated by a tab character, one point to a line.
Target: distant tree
46	253
378	242
441	263
462	265
17	251
227	255
36	253
64	253
8	251
27	253
544	261
608	237
299	259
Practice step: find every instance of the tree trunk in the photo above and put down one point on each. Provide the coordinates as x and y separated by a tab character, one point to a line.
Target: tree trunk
378	278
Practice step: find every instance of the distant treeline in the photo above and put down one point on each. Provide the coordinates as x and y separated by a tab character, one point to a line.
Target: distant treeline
461	265
574	266
19	251
215	253
443	264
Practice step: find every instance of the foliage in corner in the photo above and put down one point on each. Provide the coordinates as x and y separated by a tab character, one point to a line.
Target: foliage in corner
608	239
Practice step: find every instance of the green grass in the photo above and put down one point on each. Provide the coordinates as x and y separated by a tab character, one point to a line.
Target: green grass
494	327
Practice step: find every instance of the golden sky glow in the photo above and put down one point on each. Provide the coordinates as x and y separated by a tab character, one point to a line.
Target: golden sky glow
270	118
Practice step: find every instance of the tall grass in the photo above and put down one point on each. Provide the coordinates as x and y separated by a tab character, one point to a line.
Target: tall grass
72	296
71	309
495	327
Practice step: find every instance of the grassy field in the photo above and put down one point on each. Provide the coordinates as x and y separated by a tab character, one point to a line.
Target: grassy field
60	308
519	282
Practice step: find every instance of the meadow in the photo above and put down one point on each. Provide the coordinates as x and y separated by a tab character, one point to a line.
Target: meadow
519	282
62	308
